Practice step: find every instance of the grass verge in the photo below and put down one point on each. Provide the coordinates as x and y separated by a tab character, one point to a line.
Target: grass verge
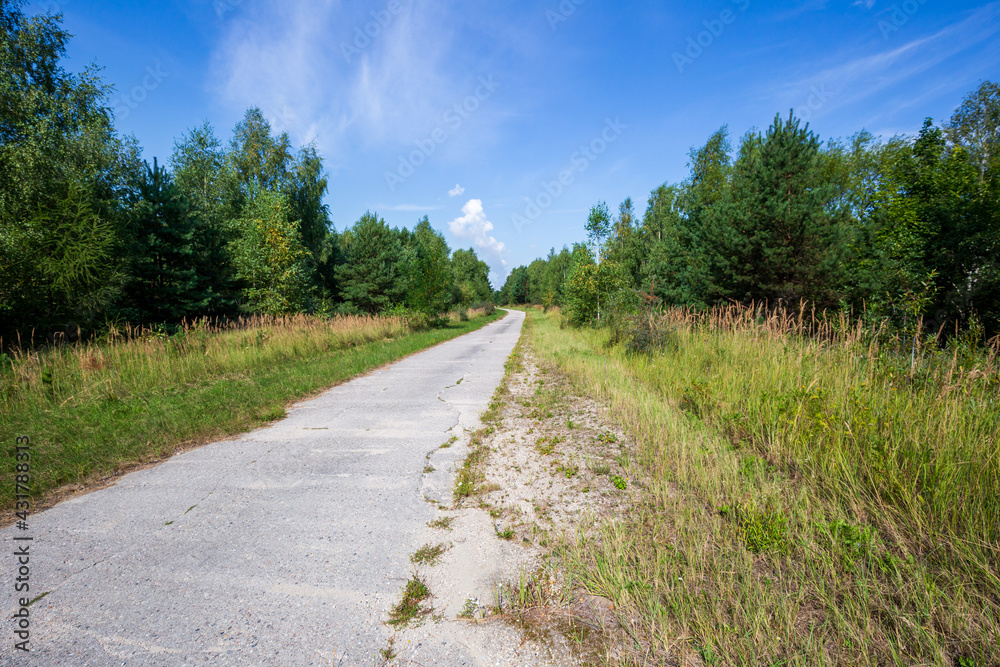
97	410
810	502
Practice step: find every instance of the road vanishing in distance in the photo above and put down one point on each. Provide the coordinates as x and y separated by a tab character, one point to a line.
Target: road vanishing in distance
285	546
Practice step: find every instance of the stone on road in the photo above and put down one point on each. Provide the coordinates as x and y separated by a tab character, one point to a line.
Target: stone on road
285	546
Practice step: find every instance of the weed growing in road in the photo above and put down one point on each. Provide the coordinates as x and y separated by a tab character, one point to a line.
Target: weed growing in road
607	438
444	523
600	468
429	554
409	608
469	480
569	470
532	589
470	608
504	533
465	483
546	445
389	652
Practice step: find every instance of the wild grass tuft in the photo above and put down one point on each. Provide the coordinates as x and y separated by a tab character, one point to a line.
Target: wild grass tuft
444	523
409	609
429	554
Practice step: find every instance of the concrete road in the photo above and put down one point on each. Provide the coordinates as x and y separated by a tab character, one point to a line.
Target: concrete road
286	546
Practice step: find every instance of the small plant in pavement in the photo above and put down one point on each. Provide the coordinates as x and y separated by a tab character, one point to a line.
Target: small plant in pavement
444	523
409	608
429	554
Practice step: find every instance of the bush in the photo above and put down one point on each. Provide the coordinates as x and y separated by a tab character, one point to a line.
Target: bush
486	306
637	323
415	320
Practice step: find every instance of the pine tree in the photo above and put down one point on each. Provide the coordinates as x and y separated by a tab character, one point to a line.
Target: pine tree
203	177
165	285
372	277
791	243
66	182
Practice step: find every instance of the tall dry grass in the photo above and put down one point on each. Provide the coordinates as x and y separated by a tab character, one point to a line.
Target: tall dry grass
816	493
134	357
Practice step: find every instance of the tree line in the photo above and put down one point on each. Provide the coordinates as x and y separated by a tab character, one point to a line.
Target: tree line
904	232
91	234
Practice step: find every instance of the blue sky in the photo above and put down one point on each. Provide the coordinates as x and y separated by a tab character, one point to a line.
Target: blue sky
470	113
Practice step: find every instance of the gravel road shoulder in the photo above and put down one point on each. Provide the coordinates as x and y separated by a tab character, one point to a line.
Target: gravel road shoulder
546	466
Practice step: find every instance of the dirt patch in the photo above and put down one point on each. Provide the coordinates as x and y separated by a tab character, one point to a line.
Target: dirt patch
556	465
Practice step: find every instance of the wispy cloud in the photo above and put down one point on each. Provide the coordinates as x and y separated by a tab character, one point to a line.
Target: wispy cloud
863	77
456	191
286	57
473	226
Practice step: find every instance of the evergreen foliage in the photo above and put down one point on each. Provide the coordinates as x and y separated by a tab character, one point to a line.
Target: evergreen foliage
371	278
165	285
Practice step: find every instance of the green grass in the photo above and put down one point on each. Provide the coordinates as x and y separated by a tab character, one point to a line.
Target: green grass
97	409
429	554
809	498
505	533
409	608
444	523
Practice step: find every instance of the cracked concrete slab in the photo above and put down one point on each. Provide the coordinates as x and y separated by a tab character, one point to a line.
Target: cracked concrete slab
286	546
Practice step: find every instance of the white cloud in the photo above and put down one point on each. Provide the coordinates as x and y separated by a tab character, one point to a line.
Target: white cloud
473	226
456	191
